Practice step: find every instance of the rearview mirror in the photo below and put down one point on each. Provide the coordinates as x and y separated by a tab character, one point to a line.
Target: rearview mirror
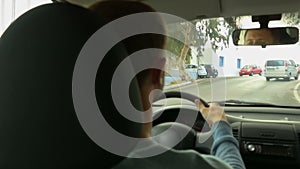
265	36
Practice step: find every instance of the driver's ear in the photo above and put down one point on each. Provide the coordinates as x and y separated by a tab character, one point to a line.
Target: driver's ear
157	76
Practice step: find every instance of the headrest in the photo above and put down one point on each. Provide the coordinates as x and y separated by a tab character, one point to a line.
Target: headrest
38	124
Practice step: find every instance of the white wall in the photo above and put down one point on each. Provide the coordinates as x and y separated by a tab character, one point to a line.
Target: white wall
12	9
248	55
256	55
194	54
211	57
263	54
230	61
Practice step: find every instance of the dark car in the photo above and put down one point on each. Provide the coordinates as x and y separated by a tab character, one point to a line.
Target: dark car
250	70
211	70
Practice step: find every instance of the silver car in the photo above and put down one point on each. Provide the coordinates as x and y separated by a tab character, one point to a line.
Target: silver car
201	72
280	68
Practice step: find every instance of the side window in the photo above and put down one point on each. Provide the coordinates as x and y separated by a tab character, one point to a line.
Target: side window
221	61
292	63
12	9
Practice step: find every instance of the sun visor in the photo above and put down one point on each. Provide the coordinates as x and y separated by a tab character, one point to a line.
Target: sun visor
257	7
188	10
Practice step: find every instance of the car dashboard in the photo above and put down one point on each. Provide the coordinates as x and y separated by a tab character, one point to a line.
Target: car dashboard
268	136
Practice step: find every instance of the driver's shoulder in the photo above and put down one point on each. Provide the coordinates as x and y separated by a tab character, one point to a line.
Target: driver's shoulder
173	159
195	159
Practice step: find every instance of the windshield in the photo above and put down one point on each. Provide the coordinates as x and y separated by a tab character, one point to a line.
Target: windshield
247	67
209	43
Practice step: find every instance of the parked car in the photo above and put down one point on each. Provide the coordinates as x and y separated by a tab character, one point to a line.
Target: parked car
250	70
192	71
279	68
201	72
191	66
211	70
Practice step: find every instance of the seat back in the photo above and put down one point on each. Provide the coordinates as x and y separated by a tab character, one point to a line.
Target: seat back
38	124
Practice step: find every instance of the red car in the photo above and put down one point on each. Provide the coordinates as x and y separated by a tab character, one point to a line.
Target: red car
250	70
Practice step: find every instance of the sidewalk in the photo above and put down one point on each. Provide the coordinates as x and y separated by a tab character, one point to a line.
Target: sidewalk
177	85
180	84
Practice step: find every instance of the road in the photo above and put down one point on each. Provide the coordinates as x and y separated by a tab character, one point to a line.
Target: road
246	88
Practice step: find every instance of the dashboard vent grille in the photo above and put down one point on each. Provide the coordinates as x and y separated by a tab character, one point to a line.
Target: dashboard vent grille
235	133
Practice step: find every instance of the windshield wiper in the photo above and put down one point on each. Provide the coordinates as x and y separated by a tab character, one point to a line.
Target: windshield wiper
241	103
233	102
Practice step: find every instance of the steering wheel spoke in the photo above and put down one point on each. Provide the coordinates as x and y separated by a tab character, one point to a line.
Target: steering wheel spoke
180	136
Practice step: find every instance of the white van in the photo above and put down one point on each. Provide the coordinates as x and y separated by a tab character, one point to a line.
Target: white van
280	68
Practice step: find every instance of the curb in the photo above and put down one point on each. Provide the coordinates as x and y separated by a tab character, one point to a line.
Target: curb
190	82
176	85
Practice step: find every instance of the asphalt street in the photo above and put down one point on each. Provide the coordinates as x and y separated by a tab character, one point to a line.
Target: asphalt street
246	88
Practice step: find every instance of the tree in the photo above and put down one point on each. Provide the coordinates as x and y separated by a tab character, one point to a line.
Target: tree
181	49
292	19
217	31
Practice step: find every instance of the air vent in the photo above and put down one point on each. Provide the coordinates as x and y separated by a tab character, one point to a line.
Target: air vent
235	133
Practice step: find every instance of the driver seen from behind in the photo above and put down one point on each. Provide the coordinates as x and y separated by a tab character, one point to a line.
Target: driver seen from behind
225	149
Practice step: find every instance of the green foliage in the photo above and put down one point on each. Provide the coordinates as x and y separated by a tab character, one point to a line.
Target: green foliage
217	30
198	33
175	47
291	18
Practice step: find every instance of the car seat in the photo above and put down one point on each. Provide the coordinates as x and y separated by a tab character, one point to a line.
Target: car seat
39	127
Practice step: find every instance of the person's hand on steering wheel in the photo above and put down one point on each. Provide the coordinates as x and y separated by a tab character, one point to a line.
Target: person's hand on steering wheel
211	114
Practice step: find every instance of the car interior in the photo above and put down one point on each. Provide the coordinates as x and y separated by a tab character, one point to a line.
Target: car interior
40	127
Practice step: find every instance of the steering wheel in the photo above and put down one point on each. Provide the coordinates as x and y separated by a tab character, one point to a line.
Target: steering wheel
190	138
